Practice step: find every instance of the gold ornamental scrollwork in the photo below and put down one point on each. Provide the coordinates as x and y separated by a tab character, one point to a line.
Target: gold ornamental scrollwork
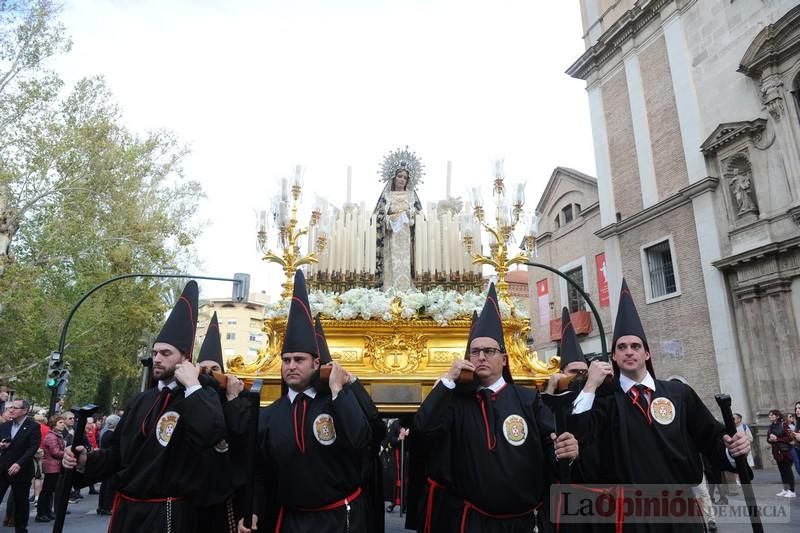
398	353
519	357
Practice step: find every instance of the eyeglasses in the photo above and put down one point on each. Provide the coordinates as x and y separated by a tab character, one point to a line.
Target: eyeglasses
488	352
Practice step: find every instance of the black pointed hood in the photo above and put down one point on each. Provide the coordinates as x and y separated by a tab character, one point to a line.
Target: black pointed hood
211	349
181	325
629	323
471	331
324	351
570	348
300	335
490	324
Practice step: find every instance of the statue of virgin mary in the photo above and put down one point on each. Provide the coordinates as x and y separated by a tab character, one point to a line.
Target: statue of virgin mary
395	212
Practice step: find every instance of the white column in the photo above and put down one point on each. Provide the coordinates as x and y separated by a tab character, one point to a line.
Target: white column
731	376
614	277
605	189
691	123
641	131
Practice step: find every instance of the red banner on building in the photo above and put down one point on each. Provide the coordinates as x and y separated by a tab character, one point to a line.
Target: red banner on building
543	295
602	279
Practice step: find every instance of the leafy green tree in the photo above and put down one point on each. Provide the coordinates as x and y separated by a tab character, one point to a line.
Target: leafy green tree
82	199
29	36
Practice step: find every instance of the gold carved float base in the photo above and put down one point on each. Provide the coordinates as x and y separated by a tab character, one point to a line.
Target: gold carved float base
398	361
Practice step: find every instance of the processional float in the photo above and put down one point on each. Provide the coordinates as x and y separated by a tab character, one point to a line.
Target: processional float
398	341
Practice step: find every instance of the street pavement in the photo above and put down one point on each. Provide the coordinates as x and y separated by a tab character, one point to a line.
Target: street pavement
83	518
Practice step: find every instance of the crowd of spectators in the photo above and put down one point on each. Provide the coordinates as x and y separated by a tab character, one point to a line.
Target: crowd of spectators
38	457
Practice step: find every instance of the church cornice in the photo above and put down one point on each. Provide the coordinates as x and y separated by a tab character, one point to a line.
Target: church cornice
682	197
625	28
728	132
772	45
768	250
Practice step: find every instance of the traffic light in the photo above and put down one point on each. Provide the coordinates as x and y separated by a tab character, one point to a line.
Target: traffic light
54	368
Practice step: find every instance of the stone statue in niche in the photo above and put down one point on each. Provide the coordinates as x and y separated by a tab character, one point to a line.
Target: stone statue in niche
741	185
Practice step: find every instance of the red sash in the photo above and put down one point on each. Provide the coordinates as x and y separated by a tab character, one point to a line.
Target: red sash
120	496
469	506
329	507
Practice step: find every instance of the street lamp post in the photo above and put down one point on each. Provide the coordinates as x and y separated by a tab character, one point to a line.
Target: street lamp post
63	339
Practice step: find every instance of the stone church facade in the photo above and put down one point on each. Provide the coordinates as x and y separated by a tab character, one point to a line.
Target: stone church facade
569	215
695	113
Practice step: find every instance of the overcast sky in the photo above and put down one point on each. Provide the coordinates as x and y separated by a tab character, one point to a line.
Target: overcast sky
256	87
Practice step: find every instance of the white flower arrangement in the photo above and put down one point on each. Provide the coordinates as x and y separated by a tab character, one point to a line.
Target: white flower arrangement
441	305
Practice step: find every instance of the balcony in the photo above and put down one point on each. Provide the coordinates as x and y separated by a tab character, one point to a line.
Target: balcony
581	321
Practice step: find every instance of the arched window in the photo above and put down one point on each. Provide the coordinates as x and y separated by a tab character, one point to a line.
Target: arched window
567	212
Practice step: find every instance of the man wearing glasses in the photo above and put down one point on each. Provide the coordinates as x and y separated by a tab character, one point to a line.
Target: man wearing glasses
19	440
501	440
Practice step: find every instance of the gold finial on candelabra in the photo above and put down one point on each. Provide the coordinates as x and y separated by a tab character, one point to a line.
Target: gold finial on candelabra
288	233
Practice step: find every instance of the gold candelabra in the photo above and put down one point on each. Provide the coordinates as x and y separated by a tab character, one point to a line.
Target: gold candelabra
506	220
288	233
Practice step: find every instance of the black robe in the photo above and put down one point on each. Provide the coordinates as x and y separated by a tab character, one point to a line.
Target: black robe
428	469
372	472
225	467
497	477
584	470
151	457
391	464
304	472
639	452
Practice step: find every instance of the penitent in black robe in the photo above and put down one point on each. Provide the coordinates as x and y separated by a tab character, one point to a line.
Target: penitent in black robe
225	468
641	451
372	471
308	474
391	464
584	470
152	457
498	477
